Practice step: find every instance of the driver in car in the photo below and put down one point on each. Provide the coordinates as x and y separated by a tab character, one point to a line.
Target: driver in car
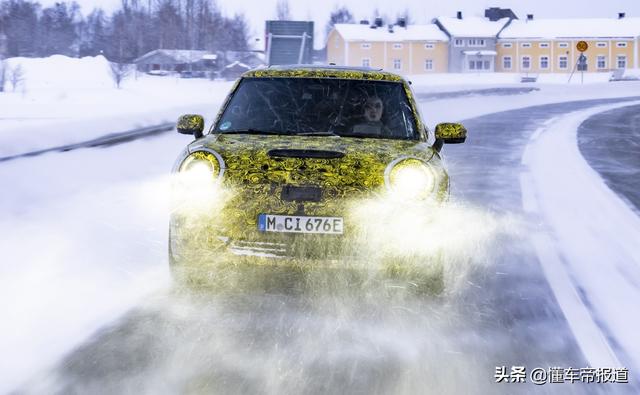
372	114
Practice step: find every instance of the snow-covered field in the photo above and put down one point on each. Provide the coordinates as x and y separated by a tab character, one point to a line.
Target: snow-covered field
63	100
83	233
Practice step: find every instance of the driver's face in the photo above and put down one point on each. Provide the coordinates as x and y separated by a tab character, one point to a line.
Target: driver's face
373	109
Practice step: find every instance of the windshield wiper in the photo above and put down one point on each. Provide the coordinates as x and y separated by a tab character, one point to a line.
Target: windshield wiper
327	133
247	131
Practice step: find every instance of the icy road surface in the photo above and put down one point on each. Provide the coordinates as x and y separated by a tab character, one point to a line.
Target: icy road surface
319	342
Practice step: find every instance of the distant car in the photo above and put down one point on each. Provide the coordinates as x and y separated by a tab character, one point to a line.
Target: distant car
292	151
159	72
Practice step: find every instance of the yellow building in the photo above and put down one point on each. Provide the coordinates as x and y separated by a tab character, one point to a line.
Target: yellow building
409	49
549	45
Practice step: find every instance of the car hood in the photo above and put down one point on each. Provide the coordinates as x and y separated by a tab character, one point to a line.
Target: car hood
240	148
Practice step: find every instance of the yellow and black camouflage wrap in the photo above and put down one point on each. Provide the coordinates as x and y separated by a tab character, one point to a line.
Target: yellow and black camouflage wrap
251	180
451	132
190	124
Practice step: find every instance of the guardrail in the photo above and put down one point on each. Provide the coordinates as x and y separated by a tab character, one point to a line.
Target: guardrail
103	141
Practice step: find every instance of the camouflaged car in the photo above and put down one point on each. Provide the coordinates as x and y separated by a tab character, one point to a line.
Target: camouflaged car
292	155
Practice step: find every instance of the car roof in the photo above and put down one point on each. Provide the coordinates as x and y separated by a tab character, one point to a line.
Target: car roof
322	71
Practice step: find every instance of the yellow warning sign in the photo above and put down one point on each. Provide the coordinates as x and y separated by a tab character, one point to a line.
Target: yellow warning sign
582	46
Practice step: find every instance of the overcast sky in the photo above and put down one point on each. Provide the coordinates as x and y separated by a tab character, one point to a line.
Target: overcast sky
422	11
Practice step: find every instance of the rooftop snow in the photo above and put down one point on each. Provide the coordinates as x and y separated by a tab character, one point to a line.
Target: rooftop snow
179	55
476	52
576	28
358	32
472	26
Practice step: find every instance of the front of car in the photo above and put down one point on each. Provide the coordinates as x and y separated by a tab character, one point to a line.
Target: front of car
290	159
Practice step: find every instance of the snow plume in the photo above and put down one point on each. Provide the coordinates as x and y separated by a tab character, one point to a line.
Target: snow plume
73	265
276	343
458	236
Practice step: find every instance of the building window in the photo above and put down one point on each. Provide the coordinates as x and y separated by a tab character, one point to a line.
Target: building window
365	45
525	45
601	62
366	62
563	62
621	44
476	42
429	46
544	45
544	62
601	44
428	64
621	61
526	62
479	65
397	46
563	45
506	45
458	42
506	62
397	64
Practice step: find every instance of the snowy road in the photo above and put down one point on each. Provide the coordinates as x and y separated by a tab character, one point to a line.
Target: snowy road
506	315
610	142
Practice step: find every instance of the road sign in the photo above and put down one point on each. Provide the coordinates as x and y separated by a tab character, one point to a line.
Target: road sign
582	46
582	62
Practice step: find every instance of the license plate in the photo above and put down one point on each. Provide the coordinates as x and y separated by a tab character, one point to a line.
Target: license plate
299	224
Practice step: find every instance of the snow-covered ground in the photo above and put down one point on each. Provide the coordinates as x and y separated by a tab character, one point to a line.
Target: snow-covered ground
63	100
447	81
83	233
596	234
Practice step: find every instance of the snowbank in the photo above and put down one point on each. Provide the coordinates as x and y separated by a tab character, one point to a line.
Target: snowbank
597	235
632	73
65	100
61	73
475	79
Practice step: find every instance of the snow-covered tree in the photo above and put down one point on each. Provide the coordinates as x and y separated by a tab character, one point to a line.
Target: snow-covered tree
19	20
93	33
57	29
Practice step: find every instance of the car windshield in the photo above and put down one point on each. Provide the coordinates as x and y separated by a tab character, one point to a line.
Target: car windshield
319	106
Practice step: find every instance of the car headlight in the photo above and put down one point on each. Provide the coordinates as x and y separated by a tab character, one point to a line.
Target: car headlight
196	187
410	178
202	167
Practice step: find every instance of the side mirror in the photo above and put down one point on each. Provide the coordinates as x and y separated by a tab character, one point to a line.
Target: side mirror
191	124
449	133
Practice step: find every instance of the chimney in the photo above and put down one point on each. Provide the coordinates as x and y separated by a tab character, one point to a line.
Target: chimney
391	28
529	17
378	22
621	15
459	15
364	22
402	22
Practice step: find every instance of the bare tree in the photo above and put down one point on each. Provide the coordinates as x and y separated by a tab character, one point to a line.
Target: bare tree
339	15
282	10
119	72
3	73
15	75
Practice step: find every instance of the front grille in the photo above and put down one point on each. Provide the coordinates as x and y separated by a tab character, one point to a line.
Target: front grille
291	193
